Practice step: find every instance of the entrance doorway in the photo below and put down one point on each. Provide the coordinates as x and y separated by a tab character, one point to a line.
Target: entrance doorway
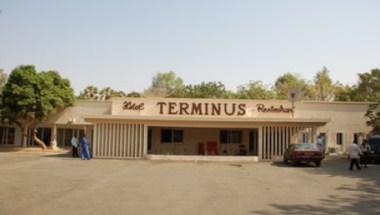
254	142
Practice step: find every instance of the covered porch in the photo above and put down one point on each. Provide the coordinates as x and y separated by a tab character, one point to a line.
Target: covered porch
191	138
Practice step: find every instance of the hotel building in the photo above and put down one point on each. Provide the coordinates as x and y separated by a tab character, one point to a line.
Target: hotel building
137	128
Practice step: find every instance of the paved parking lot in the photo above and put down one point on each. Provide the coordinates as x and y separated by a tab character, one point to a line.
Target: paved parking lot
34	183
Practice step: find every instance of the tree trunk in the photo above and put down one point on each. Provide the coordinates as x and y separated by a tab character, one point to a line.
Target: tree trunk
38	141
24	135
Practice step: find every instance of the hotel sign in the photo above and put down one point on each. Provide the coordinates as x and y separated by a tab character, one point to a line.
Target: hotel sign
128	105
272	109
205	108
202	108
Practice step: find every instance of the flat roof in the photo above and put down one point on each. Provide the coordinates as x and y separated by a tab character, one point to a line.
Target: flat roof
241	100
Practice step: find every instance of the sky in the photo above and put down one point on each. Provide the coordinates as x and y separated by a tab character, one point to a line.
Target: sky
123	44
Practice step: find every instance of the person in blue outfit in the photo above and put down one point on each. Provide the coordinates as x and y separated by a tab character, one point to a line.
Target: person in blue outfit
85	152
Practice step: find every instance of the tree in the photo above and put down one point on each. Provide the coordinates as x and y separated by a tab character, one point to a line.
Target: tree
107	93
342	92
254	90
166	84
92	93
373	115
89	93
3	79
29	97
134	94
323	86
207	90
368	87
289	80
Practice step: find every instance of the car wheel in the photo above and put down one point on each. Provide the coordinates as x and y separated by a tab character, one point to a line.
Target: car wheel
317	163
285	160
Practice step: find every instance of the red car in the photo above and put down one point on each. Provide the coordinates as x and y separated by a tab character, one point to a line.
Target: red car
305	152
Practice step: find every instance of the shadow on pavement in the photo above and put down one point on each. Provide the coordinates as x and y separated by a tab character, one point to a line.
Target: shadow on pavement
58	155
290	165
360	198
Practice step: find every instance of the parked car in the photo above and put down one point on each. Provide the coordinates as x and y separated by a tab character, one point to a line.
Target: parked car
304	152
374	142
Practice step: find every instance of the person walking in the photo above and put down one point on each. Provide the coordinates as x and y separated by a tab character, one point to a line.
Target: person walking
354	152
366	150
74	144
85	153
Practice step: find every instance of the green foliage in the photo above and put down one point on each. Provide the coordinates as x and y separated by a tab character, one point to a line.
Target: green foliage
323	86
342	92
107	93
92	93
373	115
166	84
89	93
254	90
368	88
134	94
207	90
288	81
3	79
31	96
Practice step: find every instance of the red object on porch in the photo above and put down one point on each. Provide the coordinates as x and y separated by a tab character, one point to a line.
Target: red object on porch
212	148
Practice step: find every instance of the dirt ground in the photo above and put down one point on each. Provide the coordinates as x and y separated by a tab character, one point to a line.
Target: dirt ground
36	183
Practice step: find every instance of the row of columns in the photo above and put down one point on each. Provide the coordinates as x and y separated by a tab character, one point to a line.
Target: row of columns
129	140
120	140
275	139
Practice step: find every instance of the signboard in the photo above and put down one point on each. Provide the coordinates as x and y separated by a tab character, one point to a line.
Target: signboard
205	108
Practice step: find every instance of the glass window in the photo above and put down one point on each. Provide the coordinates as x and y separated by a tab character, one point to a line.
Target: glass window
171	136
339	138
230	136
7	135
11	136
305	137
305	146
166	135
356	137
2	135
223	137
178	136
235	137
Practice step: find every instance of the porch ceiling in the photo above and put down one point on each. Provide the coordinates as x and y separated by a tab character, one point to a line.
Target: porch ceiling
142	119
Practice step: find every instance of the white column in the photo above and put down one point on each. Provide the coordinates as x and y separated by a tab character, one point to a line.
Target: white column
94	141
53	142
259	142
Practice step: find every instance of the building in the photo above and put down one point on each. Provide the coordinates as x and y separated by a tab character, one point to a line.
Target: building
145	127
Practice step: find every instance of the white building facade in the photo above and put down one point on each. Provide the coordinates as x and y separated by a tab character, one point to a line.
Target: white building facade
136	128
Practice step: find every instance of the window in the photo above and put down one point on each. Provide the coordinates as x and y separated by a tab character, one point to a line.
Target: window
7	135
177	136
64	135
171	136
230	136
339	138
305	137
356	137
43	134
166	135
11	136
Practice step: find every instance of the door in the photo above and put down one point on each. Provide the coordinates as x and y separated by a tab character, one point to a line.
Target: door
254	142
149	140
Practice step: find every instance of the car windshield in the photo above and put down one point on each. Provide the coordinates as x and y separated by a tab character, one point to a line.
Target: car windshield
305	146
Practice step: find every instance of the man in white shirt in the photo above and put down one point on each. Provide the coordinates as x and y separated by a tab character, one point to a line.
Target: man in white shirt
354	152
74	144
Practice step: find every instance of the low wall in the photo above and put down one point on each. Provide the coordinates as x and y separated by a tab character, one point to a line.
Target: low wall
203	158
